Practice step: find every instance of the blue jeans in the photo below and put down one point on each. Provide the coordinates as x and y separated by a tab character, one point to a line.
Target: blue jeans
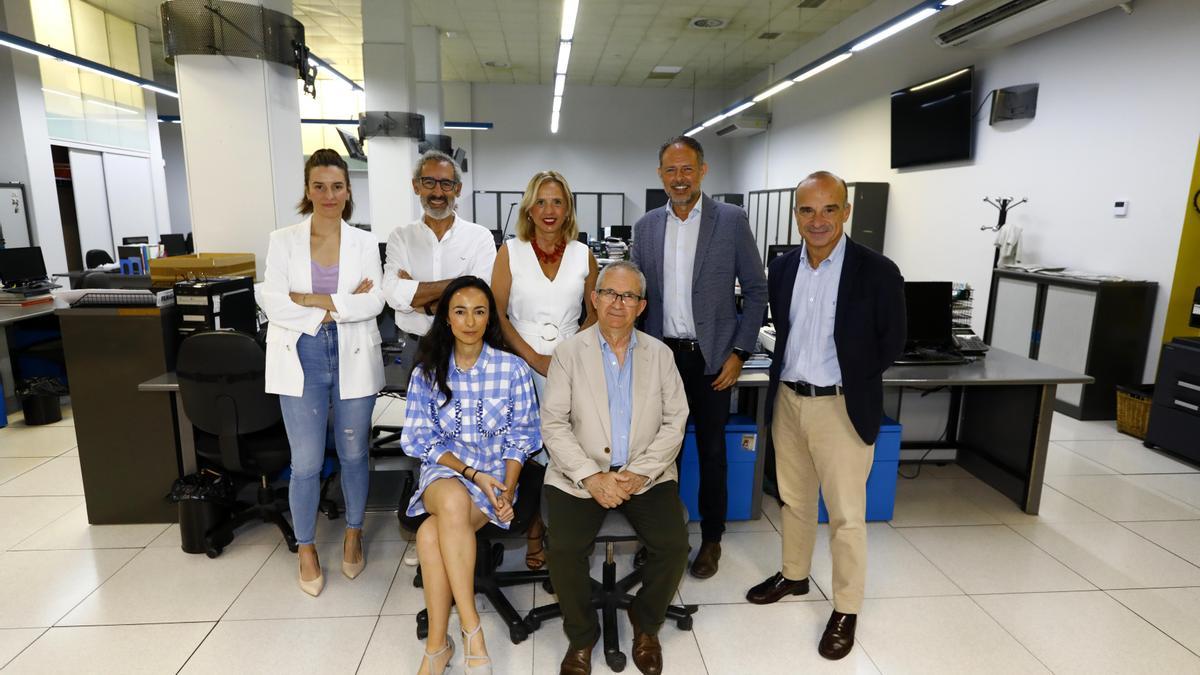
306	418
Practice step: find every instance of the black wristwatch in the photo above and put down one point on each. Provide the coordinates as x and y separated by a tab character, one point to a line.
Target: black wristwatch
741	354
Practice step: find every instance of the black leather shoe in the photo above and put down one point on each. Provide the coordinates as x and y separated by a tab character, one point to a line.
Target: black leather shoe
775	588
838	639
707	560
639	558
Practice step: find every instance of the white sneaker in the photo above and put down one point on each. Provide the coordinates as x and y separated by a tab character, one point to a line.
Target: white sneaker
410	554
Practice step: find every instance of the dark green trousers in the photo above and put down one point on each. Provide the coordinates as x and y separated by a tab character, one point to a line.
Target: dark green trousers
656	516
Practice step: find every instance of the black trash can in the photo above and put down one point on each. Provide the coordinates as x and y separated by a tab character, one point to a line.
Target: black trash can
204	502
41	409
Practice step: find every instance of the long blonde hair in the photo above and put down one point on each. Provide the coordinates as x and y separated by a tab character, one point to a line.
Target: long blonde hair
570	227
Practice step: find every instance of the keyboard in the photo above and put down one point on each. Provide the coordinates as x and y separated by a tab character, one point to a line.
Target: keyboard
971	344
929	357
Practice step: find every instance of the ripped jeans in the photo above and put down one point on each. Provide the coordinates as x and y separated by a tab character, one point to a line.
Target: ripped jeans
306	417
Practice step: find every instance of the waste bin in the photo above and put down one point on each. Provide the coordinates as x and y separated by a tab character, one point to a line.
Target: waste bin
204	502
40	402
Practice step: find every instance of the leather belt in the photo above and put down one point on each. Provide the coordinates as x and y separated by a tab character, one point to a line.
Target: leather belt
806	389
681	344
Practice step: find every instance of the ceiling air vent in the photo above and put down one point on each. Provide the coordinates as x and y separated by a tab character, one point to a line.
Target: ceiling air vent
707	23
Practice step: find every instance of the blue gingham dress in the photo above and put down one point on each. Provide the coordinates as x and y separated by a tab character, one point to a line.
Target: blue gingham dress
492	417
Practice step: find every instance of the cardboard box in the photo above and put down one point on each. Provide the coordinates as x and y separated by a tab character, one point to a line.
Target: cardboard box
164	272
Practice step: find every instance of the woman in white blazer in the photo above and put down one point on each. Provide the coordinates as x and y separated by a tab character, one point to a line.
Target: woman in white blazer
319	294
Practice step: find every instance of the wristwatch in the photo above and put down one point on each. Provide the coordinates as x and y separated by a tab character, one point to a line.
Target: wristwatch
741	354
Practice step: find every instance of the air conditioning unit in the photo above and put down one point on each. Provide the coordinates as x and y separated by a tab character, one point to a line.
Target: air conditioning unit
999	23
745	124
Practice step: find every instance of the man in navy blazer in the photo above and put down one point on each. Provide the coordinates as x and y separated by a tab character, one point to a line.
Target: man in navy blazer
838	309
692	252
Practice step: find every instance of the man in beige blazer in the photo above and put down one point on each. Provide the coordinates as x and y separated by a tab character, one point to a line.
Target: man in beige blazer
613	419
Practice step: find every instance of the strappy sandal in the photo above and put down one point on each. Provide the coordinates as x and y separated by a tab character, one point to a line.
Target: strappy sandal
536	560
483	664
449	646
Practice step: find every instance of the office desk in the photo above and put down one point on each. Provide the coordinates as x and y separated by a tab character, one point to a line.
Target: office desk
1001	408
8	317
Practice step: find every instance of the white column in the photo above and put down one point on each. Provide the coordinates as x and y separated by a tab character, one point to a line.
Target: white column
388	71
241	143
158	175
427	61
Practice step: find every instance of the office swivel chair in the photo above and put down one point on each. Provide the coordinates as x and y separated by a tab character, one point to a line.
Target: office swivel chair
238	426
96	257
489	552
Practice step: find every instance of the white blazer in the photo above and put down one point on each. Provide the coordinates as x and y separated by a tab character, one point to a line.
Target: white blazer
289	269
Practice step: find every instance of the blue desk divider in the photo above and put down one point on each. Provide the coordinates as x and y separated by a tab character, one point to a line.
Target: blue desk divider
741	436
881	484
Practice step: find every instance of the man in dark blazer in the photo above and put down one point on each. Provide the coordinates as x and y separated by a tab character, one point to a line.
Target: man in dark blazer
838	309
692	251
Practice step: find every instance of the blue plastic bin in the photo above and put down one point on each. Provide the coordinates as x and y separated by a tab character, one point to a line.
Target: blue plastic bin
741	447
881	484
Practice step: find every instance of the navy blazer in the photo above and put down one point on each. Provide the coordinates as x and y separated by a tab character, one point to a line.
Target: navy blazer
868	328
725	253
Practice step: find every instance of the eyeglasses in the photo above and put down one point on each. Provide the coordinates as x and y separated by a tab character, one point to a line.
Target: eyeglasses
429	183
612	296
686	171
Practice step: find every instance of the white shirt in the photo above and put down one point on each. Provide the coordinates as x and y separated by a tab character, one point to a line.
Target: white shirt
679	260
465	248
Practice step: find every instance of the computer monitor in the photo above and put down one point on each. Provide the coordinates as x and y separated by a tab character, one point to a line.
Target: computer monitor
928	309
624	232
353	147
583	237
19	266
129	241
776	250
173	244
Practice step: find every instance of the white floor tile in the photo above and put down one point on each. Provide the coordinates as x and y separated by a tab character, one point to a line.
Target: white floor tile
1181	537
395	650
13	640
1120	498
779	638
895	568
149	649
1060	461
328	646
22	516
250	534
11	467
947	470
763	524
275	594
404	598
747	558
1087	633
933	502
381	404
1068	428
72	531
41	586
992	559
377	526
1182	487
1054	507
1111	556
1127	456
393	415
939	635
1175	611
680	651
42	441
169	585
58	476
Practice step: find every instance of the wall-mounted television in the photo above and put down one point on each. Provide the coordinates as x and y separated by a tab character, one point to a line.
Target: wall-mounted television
931	120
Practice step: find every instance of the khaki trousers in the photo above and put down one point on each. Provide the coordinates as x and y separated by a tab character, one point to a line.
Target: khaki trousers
816	446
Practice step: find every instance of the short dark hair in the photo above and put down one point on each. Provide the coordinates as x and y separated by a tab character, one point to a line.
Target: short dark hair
682	140
826	175
326	157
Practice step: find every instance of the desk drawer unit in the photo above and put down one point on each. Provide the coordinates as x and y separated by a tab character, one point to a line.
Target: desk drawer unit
881	484
1175	414
741	439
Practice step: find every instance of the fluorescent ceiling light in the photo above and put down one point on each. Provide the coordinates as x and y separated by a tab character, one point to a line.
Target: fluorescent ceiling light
570	11
694	131
560	83
940	80
564	56
773	90
468	126
61	93
20	47
557	103
950	3
894	28
823	67
740	108
713	120
554	122
118	108
45	51
160	90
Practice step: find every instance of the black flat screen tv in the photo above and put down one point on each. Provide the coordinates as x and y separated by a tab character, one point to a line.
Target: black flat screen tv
931	121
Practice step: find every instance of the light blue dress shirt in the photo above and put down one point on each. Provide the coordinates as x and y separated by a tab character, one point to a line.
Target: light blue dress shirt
618	378
679	260
811	355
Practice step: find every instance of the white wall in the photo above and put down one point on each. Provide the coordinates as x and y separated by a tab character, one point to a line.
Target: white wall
608	138
1118	118
171	136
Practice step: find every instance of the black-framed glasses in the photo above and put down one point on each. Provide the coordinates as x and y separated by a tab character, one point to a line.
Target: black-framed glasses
429	183
612	296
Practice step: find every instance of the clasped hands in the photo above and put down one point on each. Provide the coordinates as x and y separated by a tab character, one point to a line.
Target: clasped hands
499	494
612	488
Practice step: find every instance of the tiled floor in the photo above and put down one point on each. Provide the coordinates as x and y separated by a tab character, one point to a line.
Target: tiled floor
1105	580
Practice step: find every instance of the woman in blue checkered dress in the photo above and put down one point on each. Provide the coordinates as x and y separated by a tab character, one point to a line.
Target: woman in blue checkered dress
472	419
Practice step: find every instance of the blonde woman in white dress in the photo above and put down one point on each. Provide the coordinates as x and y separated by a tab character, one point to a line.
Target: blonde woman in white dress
540	281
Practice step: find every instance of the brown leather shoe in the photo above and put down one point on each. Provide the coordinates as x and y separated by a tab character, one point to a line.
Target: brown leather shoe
838	639
707	560
776	588
647	651
577	661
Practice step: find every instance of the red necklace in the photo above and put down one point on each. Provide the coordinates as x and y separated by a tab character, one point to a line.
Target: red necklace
549	257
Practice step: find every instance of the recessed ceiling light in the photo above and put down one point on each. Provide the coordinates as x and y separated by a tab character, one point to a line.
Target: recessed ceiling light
667	69
769	36
499	65
706	23
450	34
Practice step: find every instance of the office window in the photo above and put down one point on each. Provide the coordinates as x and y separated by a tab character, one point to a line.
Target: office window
335	100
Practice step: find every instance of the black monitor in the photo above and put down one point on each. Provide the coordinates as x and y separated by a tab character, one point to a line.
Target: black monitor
130	241
353	146
927	306
776	250
19	266
932	121
624	232
173	244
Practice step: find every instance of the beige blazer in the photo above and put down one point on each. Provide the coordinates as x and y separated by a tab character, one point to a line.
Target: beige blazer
575	421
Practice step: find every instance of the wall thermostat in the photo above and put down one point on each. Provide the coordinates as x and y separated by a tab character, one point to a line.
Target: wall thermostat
1120	208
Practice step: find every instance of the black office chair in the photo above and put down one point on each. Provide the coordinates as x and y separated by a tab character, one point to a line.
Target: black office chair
96	257
238	426
489	552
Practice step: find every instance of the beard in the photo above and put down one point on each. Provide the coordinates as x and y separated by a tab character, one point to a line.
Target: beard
692	193
438	213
